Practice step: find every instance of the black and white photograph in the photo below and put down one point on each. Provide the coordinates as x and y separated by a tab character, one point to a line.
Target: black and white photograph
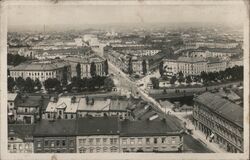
124	79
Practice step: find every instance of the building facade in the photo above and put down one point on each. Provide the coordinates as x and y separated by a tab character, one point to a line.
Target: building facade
41	70
85	64
55	136
220	120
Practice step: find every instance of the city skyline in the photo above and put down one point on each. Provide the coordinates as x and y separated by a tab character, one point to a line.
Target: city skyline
87	16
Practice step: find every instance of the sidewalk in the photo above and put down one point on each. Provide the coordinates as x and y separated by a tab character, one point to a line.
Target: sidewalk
197	134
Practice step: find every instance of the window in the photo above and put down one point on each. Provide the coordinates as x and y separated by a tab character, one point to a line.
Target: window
57	143
14	146
52	144
91	141
104	140
91	150
63	143
46	143
98	149
139	140
105	149
48	115
98	141
148	140
124	141
132	141
26	110
113	149
71	143
66	116
20	147
155	140
163	140
38	144
72	116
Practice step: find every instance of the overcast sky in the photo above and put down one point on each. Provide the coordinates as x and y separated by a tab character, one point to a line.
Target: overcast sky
80	15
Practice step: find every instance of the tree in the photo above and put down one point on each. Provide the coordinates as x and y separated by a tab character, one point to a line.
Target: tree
144	67
108	84
130	66
65	76
52	84
38	84
173	79
11	83
188	79
78	70
106	67
20	83
181	77
155	82
29	85
92	69
15	59
161	70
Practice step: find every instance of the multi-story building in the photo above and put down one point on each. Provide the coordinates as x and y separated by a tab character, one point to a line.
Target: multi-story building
194	65
186	65
12	102
62	108
85	63
220	120
41	70
215	64
57	136
20	138
28	109
72	107
150	136
99	134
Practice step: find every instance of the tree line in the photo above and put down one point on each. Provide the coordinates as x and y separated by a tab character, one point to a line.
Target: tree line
230	74
15	59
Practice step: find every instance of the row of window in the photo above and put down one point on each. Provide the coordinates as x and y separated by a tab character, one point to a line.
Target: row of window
98	141
98	149
55	143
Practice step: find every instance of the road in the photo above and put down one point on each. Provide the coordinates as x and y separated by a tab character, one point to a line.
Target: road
193	145
197	138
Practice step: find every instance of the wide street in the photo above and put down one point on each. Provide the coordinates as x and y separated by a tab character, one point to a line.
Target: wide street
193	143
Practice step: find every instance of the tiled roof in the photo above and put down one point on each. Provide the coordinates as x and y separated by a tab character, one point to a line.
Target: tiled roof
63	102
99	105
223	107
39	66
29	101
98	126
150	128
119	105
60	127
22	131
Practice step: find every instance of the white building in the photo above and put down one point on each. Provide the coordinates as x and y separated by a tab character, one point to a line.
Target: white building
41	70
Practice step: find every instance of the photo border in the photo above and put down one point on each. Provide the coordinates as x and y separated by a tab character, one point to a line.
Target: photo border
3	91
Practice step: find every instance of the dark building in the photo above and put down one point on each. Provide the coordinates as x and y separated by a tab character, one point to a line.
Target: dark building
55	136
220	120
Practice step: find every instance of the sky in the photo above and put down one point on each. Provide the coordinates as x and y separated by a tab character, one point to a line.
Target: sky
106	14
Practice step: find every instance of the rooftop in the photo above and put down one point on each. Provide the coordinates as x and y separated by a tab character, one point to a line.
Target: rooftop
86	59
12	96
60	127
40	65
63	103
150	128
98	126
99	105
23	131
223	107
191	59
29	101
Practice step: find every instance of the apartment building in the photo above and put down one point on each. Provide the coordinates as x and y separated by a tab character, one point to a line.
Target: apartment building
220	120
41	70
